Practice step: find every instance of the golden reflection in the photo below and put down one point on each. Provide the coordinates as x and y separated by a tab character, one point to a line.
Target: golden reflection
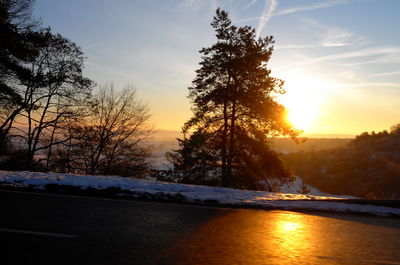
289	226
279	238
251	237
292	235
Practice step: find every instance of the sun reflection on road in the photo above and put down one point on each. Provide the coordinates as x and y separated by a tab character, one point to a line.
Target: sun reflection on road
251	237
291	236
282	237
289	226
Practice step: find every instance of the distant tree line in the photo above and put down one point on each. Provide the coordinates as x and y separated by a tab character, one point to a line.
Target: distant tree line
287	145
49	117
368	166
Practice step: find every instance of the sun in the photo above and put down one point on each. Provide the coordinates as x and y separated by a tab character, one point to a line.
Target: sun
303	101
302	117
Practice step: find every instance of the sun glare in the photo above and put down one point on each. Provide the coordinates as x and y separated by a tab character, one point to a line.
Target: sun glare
302	117
303	100
289	226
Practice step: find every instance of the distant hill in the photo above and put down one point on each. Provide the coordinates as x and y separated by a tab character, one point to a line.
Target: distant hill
326	135
288	145
163	141
165	136
368	166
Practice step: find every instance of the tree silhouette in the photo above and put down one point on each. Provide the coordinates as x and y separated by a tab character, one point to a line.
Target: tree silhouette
19	45
55	90
233	96
108	140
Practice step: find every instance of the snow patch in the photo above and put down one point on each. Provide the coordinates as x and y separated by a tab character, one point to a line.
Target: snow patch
193	193
297	185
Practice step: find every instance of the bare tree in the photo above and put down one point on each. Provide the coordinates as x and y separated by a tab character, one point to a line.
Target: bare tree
108	140
54	93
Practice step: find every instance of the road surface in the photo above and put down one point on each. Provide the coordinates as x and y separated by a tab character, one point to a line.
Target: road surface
58	229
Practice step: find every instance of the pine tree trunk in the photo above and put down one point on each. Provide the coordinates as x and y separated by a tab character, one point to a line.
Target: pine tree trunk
224	180
231	144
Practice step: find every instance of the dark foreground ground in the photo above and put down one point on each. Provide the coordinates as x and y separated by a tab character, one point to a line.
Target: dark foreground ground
59	229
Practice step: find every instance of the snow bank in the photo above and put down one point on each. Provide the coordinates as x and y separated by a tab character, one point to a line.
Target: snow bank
192	193
296	187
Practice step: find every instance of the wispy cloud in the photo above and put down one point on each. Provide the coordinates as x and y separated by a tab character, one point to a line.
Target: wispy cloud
384	58
296	46
252	2
387	74
187	6
332	36
337	37
325	36
92	45
345	59
374	84
271	5
249	19
367	52
269	9
311	7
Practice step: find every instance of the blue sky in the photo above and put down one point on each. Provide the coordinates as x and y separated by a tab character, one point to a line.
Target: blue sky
340	58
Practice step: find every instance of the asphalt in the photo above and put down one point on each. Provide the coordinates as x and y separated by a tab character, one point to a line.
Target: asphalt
61	229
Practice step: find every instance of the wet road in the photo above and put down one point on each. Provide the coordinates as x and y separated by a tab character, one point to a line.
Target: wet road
53	229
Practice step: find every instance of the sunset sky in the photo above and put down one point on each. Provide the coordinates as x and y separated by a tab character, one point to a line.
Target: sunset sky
340	58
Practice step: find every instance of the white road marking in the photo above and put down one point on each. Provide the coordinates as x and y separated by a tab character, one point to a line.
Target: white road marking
35	233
